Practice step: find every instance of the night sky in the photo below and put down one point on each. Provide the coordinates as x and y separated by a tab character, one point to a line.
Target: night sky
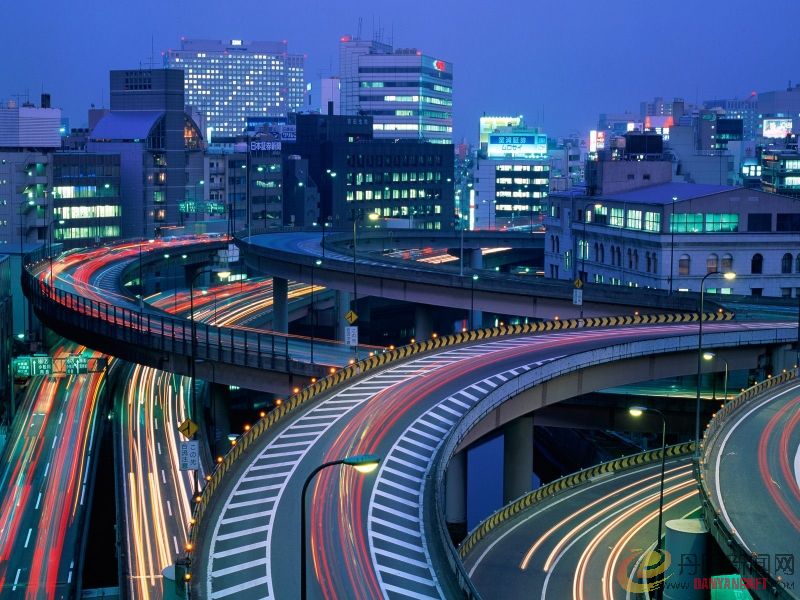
557	63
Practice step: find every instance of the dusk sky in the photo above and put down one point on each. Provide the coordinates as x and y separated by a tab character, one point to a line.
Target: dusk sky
557	63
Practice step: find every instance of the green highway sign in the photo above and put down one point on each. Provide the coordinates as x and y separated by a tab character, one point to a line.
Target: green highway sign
41	365
32	366
76	365
21	367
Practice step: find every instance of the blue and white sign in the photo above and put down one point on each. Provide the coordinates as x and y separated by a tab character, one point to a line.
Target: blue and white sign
509	145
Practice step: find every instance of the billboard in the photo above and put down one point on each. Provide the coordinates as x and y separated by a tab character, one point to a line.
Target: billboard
777	128
528	145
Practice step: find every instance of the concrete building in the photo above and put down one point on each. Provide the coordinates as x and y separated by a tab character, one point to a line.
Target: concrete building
780	172
670	235
408	94
86	198
408	181
746	110
511	175
230	80
28	126
160	149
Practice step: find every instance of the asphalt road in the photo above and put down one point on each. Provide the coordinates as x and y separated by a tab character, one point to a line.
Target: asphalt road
366	534
753	473
579	543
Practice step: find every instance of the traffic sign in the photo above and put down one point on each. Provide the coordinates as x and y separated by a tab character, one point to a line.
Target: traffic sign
189	455
351	336
578	284
22	367
351	317
188	428
76	365
577	297
41	365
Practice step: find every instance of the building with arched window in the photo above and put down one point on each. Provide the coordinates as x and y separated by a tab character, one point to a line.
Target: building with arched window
685	231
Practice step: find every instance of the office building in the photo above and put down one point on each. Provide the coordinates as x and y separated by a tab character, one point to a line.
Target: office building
160	149
780	172
230	80
746	110
86	198
511	175
407	183
408	94
670	235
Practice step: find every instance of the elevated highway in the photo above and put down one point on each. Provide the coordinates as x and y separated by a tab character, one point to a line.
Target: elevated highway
750	483
385	536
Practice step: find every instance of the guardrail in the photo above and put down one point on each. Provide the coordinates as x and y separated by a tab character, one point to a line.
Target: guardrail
325	385
160	332
712	517
523	503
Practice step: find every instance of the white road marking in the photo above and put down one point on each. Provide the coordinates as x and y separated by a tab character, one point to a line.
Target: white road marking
28	538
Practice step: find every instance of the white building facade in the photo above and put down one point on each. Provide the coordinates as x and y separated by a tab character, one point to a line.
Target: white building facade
670	236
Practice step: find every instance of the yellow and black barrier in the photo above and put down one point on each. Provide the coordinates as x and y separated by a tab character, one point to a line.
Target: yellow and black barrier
397	354
565	483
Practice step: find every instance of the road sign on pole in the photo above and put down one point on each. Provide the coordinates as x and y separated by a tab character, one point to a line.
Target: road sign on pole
577	297
351	317
76	365
189	455
351	336
188	428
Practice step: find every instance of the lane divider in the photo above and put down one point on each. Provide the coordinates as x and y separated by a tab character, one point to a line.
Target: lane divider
531	499
381	359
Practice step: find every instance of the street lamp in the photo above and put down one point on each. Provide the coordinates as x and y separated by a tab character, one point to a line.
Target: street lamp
317	263
672	242
461	259
51	227
638	411
363	463
472	300
192	348
729	276
712	356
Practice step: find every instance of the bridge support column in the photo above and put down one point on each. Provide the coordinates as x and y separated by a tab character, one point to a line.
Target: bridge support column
686	538
280	304
456	496
517	458
342	306
423	322
473	257
219	423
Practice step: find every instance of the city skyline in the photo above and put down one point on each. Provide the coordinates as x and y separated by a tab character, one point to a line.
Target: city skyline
559	66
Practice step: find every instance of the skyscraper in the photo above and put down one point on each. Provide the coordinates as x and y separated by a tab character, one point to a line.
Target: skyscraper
230	80
407	93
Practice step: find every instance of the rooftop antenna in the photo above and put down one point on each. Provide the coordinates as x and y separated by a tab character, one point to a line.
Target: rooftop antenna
358	35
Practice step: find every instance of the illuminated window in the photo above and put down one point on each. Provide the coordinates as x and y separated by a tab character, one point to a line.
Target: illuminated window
617	218
712	263
652	221
684	264
634	219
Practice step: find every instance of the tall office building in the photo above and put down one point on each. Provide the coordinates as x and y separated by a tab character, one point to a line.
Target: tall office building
408	94
230	80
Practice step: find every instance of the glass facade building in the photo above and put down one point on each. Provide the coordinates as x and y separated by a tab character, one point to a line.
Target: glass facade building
230	80
408	94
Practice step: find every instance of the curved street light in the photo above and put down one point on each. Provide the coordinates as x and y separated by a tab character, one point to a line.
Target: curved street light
638	411
363	463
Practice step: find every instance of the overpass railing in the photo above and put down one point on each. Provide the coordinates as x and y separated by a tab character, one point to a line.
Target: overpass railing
160	332
749	565
554	488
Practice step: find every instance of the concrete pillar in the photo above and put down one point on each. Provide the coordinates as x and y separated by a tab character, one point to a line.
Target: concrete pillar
280	304
219	424
455	506
686	540
473	257
423	322
342	306
517	457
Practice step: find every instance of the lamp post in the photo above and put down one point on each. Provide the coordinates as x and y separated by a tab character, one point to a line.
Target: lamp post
637	411
472	300
671	243
51	227
193	344
712	356
363	463
317	263
729	276
461	259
